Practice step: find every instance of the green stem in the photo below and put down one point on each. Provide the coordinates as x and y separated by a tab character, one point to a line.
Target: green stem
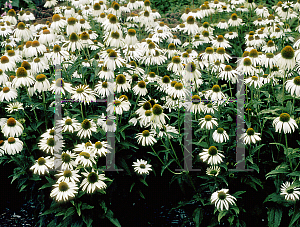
45	106
81	111
163	162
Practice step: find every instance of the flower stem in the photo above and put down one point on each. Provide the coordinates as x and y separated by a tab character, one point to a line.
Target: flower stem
44	102
82	111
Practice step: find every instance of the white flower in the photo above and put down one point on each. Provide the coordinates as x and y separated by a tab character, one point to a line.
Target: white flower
69	125
101	148
86	128
285	122
15	106
93	182
12	128
222	199
42	165
250	136
208	122
146	138
220	135
64	191
292	86
290	193
286	59
83	94
51	145
86	159
141	167
12	146
213	171
8	93
212	156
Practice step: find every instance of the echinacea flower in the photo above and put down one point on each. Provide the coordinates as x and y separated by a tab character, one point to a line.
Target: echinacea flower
12	128
208	122
146	138
86	159
15	106
69	124
42	165
212	156
83	93
250	136
86	128
286	59
68	176
64	191
222	199
142	167
285	122
93	181
292	86
8	93
290	193
12	146
220	135
213	171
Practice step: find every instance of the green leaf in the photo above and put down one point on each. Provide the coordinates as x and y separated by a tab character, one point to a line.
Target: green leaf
143	181
131	186
295	217
165	166
70	211
198	216
141	194
85	206
274	217
222	214
113	220
87	220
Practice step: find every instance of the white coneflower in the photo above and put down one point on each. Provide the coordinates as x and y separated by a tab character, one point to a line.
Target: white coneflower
216	94
41	84
210	108
250	136
133	54
146	138
67	159
86	159
11	17
166	131
3	77
286	59
231	35
175	66
292	86
50	3
122	84
69	124
222	24
222	199
12	146
234	21
208	122
196	106
72	26
178	91
213	171
229	74
246	67
262	11
86	128
15	106
68	175
220	42
59	86
12	128
57	23
101	148
47	37
58	55
268	60
111	24
220	135
284	122
106	73
191	73
119	105
42	165
64	191
255	81
290	193
13	57
142	167
21	32
208	55
38	66
93	182
140	89
104	89
190	26
221	55
74	43
212	156
6	64
8	93
83	93
113	61
131	38
158	116
51	145
85	40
